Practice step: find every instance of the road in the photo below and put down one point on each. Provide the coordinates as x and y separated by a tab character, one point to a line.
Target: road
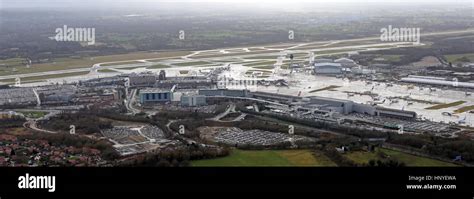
230	108
31	124
130	101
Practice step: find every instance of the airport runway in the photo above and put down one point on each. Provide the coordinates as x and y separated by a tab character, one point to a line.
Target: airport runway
217	55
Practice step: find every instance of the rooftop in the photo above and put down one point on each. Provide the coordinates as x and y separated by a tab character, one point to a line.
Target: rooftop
344	60
154	90
327	64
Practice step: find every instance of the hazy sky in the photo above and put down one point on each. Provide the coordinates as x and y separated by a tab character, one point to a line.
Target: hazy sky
147	4
136	2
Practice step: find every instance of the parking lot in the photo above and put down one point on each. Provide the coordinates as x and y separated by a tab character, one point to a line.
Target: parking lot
136	139
236	137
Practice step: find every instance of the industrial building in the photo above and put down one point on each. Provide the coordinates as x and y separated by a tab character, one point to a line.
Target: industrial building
193	100
400	114
275	97
186	83
315	103
327	68
142	79
346	62
18	96
224	92
333	105
153	95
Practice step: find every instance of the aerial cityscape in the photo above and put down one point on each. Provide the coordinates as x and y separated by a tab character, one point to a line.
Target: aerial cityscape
216	84
339	96
322	93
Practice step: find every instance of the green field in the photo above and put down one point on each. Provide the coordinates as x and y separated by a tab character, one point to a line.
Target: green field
264	67
268	158
86	62
43	77
392	58
441	106
389	58
12	62
130	68
107	71
263	57
192	63
156	66
325	88
236	54
249	62
261	63
363	157
341	51
122	63
464	109
33	114
460	57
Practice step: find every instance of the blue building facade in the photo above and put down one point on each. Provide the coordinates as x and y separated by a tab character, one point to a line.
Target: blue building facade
155	95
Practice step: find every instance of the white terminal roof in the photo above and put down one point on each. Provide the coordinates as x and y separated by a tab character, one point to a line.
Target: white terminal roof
344	60
327	64
437	82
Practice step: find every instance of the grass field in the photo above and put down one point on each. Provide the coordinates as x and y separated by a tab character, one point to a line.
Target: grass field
12	62
457	57
441	106
363	157
236	54
325	88
341	51
268	158
33	114
44	77
263	57
264	67
71	63
464	109
192	63
107	71
156	66
390	58
394	58
249	62
122	63
261	63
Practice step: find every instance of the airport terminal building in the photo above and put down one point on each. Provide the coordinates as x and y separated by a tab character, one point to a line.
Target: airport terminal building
154	95
327	68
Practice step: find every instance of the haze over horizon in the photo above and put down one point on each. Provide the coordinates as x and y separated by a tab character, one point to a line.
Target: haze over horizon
224	4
